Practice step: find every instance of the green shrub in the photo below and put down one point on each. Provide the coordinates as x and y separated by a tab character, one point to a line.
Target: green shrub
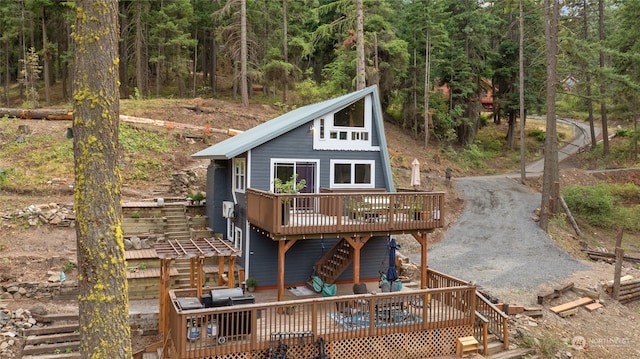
603	205
538	134
624	132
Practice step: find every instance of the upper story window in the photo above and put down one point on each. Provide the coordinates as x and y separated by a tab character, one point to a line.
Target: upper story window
239	174
346	129
352	174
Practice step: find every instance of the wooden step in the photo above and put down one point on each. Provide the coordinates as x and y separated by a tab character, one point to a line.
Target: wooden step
51	329
53	338
53	356
514	353
56	317
51	348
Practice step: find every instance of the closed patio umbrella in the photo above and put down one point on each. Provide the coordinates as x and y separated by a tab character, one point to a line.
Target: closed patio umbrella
392	271
415	173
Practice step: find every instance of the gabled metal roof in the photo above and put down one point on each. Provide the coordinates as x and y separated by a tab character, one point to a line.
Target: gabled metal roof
280	125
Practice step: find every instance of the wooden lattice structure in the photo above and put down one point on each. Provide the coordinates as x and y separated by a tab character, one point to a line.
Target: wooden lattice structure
196	250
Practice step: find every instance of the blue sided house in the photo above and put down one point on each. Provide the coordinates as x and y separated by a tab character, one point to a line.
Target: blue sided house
310	194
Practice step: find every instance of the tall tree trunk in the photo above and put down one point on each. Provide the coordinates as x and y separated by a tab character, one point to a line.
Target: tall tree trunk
603	104
360	65
523	172
7	75
285	51
46	58
102	279
585	69
414	93
635	125
124	50
427	88
243	54
511	129
214	64
550	186
142	72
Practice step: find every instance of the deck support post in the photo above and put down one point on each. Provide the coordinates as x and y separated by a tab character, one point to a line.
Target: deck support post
283	247
220	271
356	243
231	272
422	239
200	279
165	278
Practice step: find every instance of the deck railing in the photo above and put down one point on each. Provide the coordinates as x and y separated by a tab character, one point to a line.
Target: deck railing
247	328
498	321
336	213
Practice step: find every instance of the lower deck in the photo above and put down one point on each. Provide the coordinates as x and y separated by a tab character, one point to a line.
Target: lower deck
423	322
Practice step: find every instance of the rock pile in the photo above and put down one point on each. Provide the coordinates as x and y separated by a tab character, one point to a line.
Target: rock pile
53	288
51	213
181	182
141	241
12	325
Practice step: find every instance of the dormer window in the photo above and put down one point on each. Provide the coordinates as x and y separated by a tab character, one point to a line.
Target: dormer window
349	128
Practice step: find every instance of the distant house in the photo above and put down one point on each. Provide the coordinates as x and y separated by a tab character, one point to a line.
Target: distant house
344	214
486	95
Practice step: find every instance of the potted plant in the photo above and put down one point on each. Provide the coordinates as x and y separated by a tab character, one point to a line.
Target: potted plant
251	284
293	186
194	198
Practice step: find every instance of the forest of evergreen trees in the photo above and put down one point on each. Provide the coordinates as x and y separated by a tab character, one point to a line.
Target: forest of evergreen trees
299	51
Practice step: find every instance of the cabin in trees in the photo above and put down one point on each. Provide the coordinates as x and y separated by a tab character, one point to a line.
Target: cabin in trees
311	193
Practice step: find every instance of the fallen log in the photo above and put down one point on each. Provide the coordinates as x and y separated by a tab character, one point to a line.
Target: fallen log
67	115
37	114
572	220
586	292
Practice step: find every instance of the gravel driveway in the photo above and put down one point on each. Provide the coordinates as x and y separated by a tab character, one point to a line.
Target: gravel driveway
495	243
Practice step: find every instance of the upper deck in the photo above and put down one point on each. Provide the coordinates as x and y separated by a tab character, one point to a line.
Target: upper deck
327	214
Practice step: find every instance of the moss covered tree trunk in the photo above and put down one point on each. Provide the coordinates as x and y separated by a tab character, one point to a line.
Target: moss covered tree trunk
103	302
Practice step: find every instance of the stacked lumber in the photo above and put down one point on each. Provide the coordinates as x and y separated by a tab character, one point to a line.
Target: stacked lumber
629	289
608	257
571	308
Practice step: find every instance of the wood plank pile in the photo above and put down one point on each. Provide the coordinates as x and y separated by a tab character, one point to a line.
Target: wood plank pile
608	257
629	289
571	308
589	300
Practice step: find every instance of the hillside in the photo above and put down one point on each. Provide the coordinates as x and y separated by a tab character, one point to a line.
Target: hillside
39	164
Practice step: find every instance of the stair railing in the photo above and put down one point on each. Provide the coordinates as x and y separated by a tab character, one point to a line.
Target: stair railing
326	258
498	321
481	332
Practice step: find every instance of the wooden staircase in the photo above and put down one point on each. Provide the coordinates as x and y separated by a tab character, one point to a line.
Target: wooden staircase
59	339
177	227
334	262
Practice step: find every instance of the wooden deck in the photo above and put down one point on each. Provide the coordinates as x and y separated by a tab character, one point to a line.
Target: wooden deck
432	317
327	214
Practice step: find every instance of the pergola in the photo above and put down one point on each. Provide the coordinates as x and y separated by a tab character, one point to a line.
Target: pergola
197	250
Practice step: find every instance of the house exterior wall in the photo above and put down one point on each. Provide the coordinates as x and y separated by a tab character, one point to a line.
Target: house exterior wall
218	190
298	144
304	254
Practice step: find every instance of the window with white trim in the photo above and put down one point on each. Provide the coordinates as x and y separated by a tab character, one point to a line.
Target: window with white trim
352	174
239	174
346	129
237	237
